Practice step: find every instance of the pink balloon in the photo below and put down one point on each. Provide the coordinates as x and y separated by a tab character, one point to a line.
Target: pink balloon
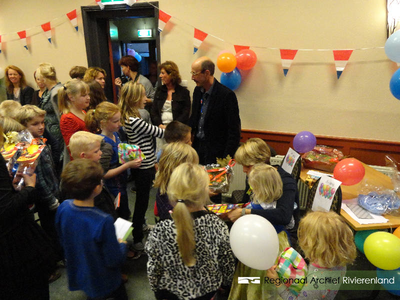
246	59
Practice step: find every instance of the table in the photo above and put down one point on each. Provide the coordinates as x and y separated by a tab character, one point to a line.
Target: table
350	192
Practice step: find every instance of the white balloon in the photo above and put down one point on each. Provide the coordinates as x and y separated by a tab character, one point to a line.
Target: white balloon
255	242
1	73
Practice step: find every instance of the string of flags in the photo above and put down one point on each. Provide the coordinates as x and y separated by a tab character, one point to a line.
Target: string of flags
341	57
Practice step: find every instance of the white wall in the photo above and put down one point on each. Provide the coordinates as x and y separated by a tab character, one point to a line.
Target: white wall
358	105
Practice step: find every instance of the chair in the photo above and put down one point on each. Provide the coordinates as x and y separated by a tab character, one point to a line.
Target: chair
336	202
296	169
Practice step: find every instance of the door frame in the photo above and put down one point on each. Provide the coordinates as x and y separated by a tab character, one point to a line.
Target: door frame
97	35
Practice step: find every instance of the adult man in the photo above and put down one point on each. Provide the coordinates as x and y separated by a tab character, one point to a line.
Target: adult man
215	119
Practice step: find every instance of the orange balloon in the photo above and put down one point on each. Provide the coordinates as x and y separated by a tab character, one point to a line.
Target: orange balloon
226	62
397	232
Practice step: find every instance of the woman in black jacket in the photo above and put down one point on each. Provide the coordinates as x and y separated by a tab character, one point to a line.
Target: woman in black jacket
171	100
17	89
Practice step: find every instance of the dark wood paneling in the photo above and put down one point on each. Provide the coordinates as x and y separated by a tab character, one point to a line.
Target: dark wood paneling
371	152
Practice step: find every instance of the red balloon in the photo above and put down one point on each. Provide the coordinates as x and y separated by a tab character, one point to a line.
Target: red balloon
246	59
349	171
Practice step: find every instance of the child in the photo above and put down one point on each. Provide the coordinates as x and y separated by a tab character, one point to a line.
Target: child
32	117
173	155
176	132
87	145
73	99
190	256
88	235
9	108
106	119
328	242
267	188
132	98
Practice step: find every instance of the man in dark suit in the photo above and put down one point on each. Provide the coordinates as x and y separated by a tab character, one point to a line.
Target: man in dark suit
215	119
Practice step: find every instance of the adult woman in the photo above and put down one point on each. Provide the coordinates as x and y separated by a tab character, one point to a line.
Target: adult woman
171	101
16	86
37	95
96	73
49	103
130	69
27	256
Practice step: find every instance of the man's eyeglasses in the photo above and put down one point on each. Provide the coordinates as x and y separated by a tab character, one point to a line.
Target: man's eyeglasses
196	73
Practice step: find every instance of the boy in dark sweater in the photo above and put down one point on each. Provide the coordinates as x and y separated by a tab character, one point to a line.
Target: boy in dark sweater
94	255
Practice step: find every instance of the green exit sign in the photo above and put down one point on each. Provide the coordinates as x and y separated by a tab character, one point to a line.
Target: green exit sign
142	33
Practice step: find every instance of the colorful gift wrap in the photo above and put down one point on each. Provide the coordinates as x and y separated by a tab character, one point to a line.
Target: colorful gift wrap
291	266
128	152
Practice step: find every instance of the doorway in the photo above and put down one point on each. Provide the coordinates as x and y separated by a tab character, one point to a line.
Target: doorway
113	32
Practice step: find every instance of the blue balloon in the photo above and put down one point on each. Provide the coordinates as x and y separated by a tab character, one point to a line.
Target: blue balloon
392	47
395	84
392	283
231	80
138	57
360	238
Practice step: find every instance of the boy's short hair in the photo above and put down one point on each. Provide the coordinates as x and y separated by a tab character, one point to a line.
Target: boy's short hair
80	177
77	72
176	132
82	141
27	112
9	108
9	124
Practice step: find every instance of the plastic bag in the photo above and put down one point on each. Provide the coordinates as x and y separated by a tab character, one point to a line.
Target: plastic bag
220	177
395	174
322	158
380	203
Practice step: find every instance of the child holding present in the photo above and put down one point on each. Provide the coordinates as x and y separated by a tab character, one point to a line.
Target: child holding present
328	242
106	119
94	254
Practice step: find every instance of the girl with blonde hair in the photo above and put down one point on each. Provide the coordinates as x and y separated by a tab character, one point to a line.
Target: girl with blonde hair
95	73
189	256
140	133
106	120
172	156
328	243
16	86
73	99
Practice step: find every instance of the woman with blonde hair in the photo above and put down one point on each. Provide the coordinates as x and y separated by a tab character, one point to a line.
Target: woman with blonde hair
49	103
328	243
95	73
189	256
172	156
16	86
140	133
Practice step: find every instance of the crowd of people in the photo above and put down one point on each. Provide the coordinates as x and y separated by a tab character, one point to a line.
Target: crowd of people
79	175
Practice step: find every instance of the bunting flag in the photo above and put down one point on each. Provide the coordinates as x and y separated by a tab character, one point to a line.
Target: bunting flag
287	57
72	17
100	4
163	19
199	37
47	30
0	43
130	2
239	48
22	36
341	57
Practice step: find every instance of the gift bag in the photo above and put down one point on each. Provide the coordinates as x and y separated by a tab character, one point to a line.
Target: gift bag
292	269
128	152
